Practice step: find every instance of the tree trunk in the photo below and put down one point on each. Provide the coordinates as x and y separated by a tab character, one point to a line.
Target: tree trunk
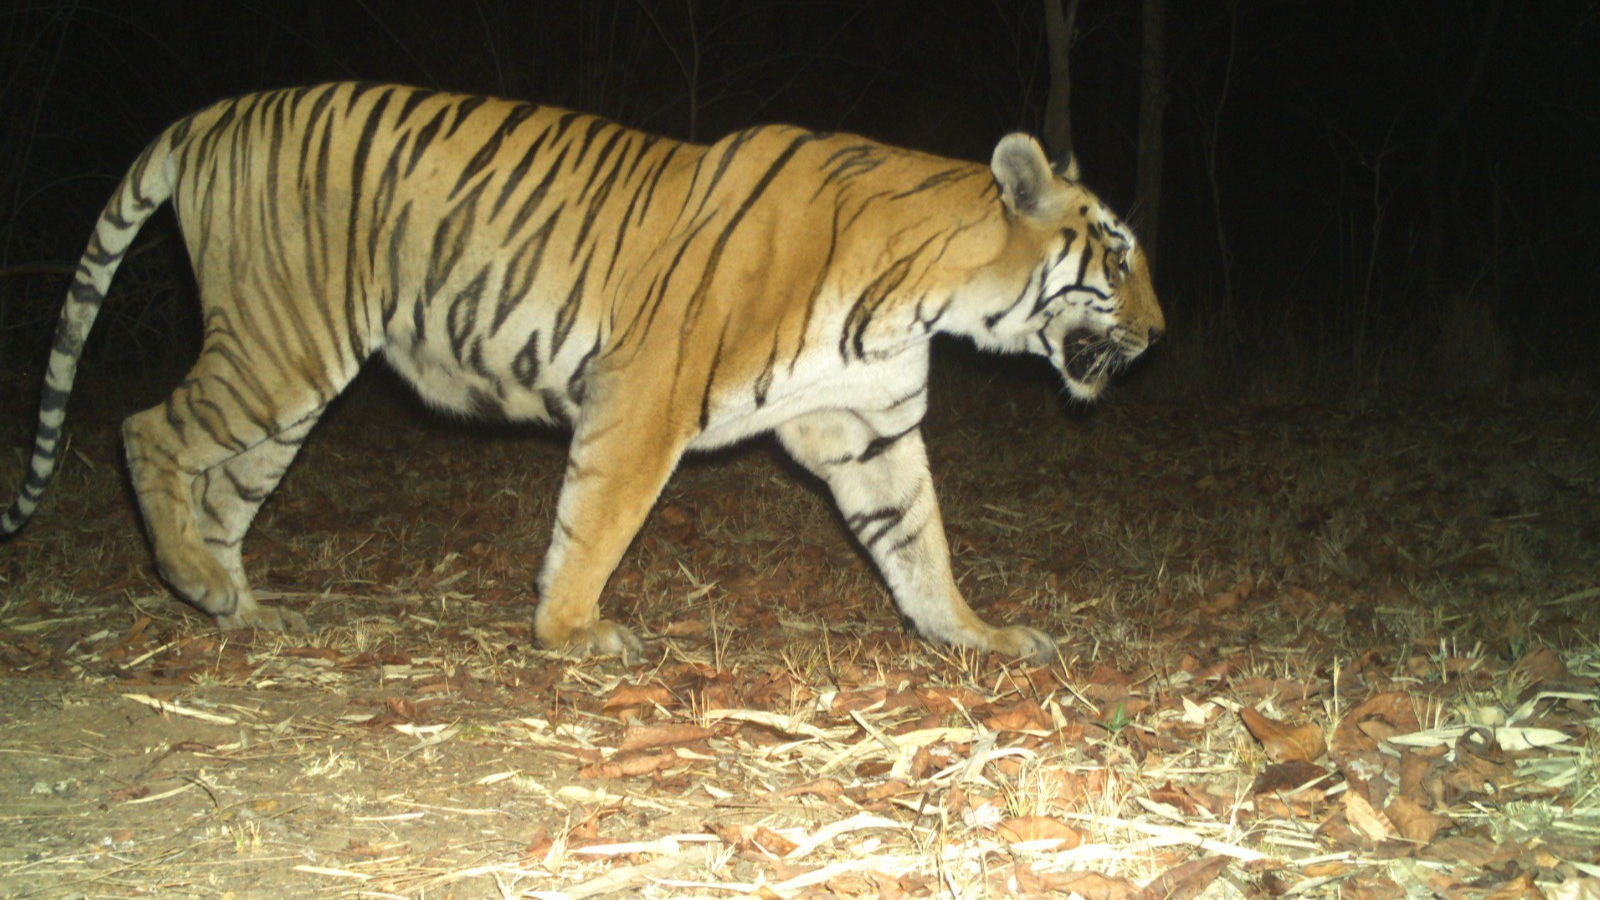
1058	24
1152	104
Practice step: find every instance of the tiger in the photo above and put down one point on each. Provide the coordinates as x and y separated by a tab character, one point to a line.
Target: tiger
656	297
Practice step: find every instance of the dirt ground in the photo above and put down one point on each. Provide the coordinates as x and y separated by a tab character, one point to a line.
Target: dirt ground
1310	651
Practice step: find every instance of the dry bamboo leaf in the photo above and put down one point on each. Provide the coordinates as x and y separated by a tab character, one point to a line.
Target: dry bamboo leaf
780	723
333	873
175	709
1509	738
827	833
1579	888
1284	743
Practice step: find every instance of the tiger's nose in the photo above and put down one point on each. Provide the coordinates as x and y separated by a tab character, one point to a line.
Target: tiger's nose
1154	334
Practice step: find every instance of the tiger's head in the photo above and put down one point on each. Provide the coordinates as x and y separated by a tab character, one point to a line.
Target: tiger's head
1076	286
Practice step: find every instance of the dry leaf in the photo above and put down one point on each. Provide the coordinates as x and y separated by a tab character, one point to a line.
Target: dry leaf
1414	822
1089	885
625	765
1415	780
1229	600
1039	828
1519	888
1280	777
1283	743
1023	715
641	737
1544	665
1186	881
825	788
1371	886
758	838
1379	716
624	696
1364	819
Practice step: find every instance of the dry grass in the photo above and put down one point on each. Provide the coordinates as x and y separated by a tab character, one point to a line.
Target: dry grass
1418	587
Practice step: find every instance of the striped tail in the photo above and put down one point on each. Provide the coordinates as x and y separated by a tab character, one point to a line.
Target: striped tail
146	186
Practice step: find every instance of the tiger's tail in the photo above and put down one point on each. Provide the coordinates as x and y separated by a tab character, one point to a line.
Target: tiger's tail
147	185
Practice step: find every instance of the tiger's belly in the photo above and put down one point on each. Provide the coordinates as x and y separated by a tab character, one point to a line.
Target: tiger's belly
479	388
488	380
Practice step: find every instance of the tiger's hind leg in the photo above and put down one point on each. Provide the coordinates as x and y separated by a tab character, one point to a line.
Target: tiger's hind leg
878	474
226	499
202	462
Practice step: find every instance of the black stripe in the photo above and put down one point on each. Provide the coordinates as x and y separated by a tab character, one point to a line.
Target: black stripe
537	195
525	365
932	181
763	382
358	172
425	137
853	337
516	173
462	318
416	99
450	241
67	341
568	313
465	108
595	204
491	147
397	236
711	378
872	527
52	399
595	127
576	388
714	258
520	273
879	445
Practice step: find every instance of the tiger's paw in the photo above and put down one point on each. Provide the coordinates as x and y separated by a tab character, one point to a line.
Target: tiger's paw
1023	643
603	639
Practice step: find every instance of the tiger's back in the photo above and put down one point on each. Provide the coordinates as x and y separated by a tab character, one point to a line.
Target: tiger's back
533	263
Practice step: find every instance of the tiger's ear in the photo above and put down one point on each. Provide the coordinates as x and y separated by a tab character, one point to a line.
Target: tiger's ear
1066	165
1023	173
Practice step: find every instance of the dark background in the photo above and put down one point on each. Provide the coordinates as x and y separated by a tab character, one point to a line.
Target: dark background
1391	199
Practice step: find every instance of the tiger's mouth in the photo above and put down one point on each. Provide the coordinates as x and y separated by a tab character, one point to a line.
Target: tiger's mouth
1088	359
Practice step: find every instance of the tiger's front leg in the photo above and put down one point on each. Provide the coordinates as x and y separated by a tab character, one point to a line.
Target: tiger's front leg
878	473
615	470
